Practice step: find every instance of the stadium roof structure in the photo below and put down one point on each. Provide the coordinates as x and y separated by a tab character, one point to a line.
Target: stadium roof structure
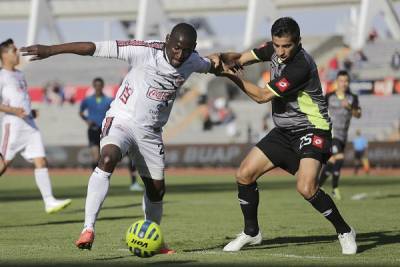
147	13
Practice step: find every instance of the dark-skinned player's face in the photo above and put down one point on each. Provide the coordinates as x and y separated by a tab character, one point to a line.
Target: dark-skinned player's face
178	49
284	47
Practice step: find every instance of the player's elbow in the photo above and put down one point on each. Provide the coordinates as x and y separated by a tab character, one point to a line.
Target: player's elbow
263	97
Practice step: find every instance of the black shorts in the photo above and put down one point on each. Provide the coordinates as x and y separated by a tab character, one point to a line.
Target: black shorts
94	136
359	154
337	146
286	149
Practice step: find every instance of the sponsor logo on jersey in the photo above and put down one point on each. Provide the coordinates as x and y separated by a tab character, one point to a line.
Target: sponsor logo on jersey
283	84
160	94
318	141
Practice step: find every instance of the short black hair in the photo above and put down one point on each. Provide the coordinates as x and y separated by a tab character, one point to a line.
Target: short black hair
184	29
286	26
343	73
98	79
4	45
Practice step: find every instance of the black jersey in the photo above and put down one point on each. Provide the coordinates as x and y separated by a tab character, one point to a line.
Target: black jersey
340	115
300	104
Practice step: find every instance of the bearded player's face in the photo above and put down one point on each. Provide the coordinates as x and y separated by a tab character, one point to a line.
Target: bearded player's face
284	47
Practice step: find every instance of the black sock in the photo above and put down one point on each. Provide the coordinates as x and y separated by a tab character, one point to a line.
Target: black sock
325	173
336	173
248	199
325	205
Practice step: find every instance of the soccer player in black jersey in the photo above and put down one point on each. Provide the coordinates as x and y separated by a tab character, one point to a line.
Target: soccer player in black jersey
342	106
301	141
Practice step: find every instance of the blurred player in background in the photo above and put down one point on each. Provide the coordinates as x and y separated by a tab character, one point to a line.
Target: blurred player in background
360	145
93	110
141	108
300	143
19	129
342	106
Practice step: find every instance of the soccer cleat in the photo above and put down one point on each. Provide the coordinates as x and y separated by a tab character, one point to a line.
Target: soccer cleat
136	187
348	242
336	193
241	240
86	239
57	205
167	251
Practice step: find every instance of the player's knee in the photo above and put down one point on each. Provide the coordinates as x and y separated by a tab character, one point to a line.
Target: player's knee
40	163
306	190
244	175
155	195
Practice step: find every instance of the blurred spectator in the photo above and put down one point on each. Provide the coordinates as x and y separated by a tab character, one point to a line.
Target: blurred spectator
204	110
333	66
372	36
359	57
54	93
218	112
347	64
360	145
395	62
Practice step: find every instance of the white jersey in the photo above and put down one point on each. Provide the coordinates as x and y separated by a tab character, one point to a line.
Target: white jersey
14	90
148	91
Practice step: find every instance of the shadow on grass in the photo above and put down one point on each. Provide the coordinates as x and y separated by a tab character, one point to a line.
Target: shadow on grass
114	218
377	239
228	186
72	211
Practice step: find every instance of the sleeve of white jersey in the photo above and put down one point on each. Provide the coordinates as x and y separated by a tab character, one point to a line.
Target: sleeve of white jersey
203	64
1	91
114	49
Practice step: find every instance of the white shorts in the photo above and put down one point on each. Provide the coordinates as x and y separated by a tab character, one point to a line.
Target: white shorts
144	144
21	135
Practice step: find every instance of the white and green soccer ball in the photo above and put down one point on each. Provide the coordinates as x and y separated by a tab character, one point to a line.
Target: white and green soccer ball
144	238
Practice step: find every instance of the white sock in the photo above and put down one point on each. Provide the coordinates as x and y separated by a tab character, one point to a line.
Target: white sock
97	190
152	210
44	184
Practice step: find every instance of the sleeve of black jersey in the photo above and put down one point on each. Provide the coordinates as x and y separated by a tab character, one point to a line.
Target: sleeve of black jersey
264	52
292	79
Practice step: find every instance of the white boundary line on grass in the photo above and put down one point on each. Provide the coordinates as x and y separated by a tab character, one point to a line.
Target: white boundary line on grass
281	255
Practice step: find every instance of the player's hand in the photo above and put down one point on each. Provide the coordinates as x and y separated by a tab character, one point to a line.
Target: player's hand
19	112
36	51
231	62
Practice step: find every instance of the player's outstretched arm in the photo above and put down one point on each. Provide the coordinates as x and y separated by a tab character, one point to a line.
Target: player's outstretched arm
19	112
258	94
236	61
44	51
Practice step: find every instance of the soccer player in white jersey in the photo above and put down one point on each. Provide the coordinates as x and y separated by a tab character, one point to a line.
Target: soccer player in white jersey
18	126
140	110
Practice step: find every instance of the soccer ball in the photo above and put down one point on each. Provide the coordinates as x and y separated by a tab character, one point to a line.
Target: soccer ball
144	238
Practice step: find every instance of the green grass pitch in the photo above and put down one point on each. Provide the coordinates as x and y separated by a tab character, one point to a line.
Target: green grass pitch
201	214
